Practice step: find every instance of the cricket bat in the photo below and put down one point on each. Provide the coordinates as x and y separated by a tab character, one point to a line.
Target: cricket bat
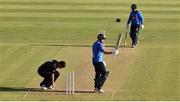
118	41
117	45
125	39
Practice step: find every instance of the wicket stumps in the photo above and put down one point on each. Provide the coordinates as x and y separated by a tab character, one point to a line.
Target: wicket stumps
70	82
102	32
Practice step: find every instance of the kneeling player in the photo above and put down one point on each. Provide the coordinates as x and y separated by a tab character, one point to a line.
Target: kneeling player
49	72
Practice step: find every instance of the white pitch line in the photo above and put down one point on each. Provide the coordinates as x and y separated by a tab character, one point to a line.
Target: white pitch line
113	94
26	94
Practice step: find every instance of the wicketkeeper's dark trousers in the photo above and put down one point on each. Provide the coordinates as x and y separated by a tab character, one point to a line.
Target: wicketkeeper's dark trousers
48	78
134	32
100	74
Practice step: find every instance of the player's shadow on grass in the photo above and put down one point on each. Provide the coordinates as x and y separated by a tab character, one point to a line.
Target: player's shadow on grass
14	89
23	89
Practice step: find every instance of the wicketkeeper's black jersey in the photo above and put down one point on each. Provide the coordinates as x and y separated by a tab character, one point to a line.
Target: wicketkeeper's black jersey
48	67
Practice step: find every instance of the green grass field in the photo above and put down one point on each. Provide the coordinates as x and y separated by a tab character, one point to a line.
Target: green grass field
34	31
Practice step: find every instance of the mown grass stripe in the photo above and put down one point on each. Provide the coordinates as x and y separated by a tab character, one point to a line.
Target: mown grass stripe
87	7
157	70
12	63
32	64
13	57
168	75
89	4
60	11
91	15
84	11
81	19
6	51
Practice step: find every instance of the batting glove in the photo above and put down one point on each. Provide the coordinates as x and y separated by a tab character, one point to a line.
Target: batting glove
114	51
142	26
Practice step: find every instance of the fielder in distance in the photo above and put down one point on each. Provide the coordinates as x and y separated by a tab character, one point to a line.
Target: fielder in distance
137	20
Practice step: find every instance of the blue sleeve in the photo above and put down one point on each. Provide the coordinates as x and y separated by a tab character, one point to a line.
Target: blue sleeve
141	18
101	47
129	19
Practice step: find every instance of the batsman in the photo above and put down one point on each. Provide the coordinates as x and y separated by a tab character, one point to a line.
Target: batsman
101	73
137	20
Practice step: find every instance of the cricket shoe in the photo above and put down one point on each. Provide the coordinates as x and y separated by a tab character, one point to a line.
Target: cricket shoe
43	87
101	91
133	46
51	87
96	90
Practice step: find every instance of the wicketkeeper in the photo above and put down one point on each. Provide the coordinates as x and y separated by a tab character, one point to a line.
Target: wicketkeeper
136	19
101	73
49	72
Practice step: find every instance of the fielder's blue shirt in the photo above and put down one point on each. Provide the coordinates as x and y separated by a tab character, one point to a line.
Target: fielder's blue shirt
136	18
98	51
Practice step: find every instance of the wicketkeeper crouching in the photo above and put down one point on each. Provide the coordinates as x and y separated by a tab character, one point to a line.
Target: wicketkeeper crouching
49	72
101	73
